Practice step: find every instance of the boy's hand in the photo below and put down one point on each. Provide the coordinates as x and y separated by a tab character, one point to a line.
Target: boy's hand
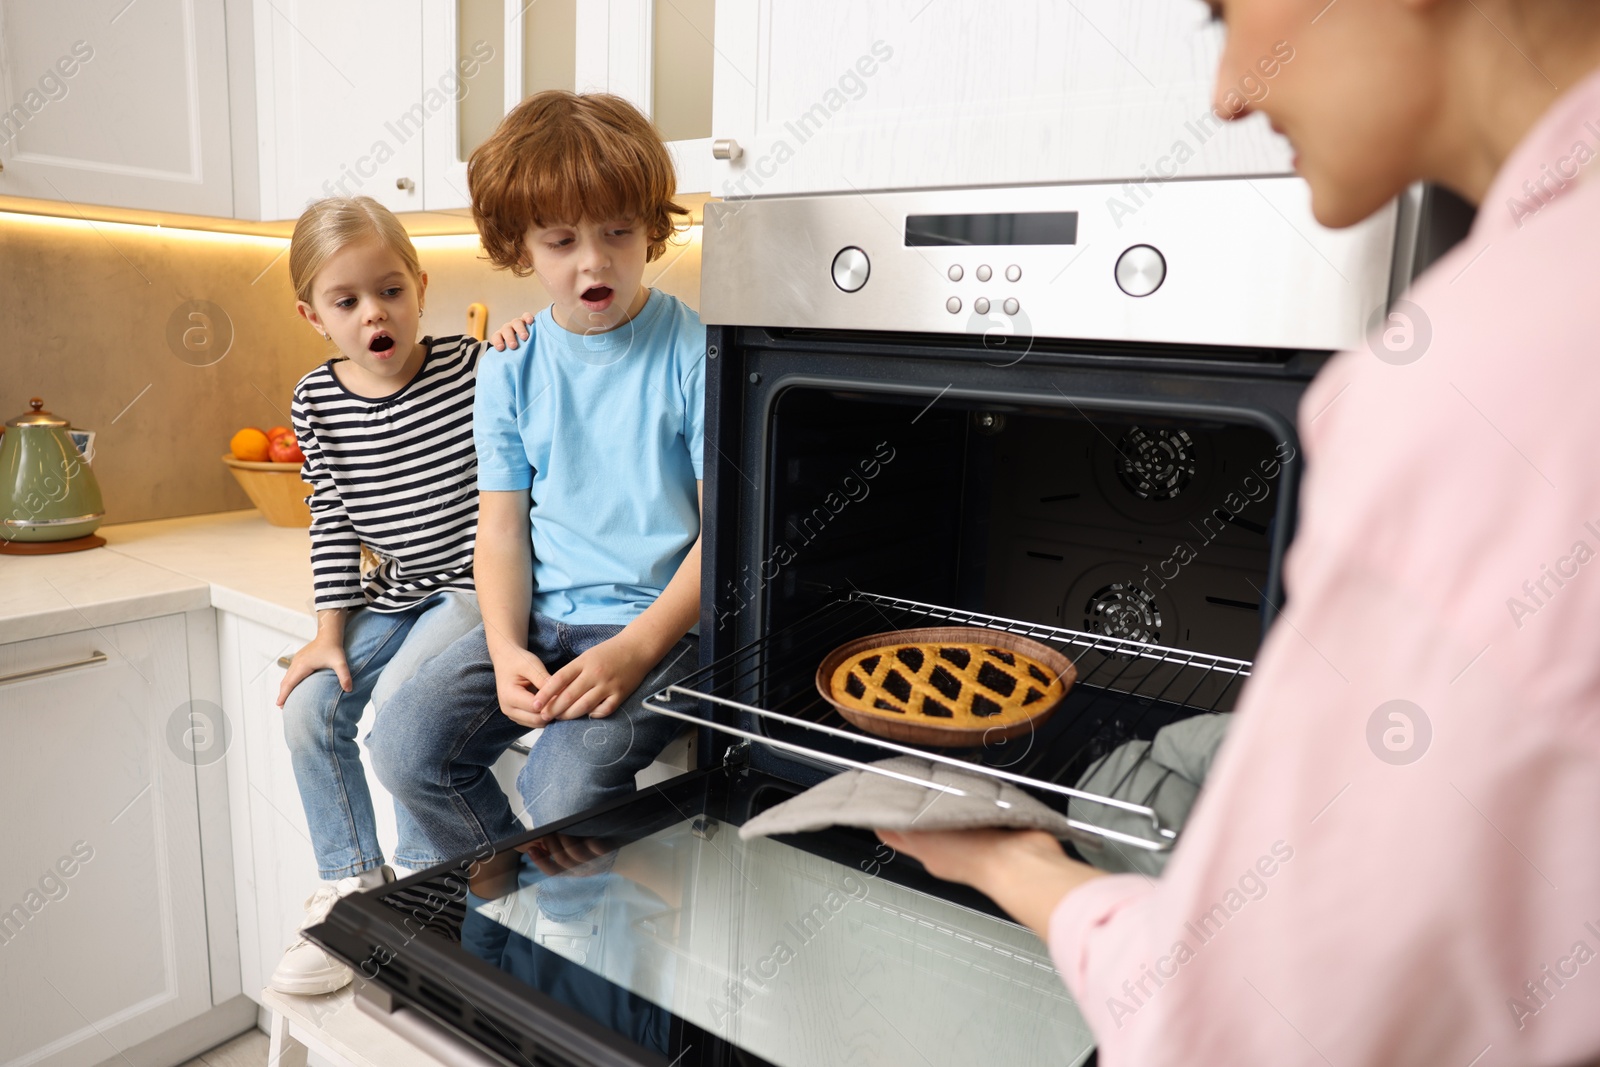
519	675
513	333
325	652
596	683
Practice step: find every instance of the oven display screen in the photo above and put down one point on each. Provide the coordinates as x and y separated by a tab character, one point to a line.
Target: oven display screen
1012	228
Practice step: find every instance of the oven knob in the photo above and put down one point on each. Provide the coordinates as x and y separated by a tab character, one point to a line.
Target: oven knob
981	305
1011	307
984	274
1013	273
955	272
1141	270
953	305
850	269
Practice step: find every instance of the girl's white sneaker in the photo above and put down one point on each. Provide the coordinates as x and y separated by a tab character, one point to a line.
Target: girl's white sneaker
306	970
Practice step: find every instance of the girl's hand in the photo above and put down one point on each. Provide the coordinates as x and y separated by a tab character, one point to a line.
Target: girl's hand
513	333
518	677
596	683
325	652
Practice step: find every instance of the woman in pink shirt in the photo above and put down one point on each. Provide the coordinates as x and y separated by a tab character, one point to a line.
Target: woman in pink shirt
1396	859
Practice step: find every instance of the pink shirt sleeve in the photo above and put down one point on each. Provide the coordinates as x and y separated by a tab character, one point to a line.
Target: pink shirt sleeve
1397	856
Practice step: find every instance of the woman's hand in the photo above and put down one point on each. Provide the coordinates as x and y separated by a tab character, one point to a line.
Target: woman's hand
597	682
325	652
1024	871
513	333
519	675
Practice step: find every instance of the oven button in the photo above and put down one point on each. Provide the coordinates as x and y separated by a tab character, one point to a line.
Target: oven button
953	305
954	273
984	274
1011	306
1141	270
1013	273
850	269
981	305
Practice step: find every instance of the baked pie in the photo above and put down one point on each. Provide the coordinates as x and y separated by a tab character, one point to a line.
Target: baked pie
945	686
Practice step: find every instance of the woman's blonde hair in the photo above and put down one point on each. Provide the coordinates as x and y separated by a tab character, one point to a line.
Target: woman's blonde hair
329	225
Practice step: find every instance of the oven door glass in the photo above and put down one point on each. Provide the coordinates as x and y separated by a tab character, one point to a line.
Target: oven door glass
800	960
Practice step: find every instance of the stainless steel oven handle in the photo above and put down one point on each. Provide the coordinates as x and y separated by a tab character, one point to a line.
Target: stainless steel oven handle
284	661
40	672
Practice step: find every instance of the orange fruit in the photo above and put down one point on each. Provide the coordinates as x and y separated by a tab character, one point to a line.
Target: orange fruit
250	444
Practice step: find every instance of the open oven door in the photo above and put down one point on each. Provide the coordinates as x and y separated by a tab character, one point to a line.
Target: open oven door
648	932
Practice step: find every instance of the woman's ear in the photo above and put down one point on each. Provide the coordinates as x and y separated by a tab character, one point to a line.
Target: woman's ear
309	313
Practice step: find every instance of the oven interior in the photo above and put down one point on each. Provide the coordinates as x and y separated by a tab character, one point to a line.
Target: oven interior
1150	529
1143	541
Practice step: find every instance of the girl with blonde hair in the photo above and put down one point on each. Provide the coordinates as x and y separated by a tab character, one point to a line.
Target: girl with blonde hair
386	428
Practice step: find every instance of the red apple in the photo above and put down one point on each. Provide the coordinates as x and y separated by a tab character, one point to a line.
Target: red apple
285	449
279	431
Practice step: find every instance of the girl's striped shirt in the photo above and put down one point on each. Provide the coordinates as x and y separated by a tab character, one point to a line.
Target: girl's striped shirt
397	474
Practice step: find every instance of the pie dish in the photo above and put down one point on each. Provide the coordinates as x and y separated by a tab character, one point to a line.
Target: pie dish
948	686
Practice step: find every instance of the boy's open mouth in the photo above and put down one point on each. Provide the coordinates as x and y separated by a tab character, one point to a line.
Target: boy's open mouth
596	294
380	343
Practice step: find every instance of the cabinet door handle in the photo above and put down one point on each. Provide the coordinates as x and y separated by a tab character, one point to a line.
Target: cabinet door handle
404	184
40	672
726	148
283	661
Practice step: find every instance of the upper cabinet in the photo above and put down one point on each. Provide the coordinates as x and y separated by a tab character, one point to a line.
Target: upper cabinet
342	104
835	96
655	53
116	103
254	107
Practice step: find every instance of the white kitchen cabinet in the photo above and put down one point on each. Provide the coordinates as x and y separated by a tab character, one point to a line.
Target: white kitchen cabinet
116	103
836	96
655	53
341	104
274	867
103	918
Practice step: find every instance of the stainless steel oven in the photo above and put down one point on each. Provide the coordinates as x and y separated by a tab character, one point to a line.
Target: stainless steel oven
1003	408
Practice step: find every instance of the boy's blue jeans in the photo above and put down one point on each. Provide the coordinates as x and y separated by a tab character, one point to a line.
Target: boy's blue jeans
383	649
438	738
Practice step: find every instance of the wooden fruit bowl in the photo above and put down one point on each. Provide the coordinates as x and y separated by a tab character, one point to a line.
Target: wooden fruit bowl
924	731
275	489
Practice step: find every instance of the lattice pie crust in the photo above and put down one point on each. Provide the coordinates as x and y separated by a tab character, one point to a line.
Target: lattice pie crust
957	685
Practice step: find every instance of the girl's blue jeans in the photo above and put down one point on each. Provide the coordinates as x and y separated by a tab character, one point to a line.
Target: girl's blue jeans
383	649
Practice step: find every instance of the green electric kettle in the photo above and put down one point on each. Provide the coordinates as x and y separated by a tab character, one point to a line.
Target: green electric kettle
47	491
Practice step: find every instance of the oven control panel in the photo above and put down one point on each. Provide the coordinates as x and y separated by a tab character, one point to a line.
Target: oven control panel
1007	305
1222	262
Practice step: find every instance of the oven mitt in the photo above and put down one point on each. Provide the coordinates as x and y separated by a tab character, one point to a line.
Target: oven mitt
877	802
1165	774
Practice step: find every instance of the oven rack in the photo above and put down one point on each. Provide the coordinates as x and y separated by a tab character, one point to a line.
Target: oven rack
764	693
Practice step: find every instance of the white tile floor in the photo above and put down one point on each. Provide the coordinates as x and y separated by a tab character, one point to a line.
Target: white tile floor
249	1049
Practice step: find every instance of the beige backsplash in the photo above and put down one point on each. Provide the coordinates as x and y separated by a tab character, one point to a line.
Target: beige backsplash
98	321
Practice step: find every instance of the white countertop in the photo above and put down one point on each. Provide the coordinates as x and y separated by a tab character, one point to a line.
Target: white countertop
233	560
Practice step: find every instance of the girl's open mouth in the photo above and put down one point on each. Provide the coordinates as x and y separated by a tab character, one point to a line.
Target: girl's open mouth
597	295
380	343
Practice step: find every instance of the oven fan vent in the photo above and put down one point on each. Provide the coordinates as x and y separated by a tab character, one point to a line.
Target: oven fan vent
1124	611
450	1006
1156	465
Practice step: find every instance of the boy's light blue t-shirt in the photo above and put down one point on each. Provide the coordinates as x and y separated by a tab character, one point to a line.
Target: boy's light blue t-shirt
607	430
